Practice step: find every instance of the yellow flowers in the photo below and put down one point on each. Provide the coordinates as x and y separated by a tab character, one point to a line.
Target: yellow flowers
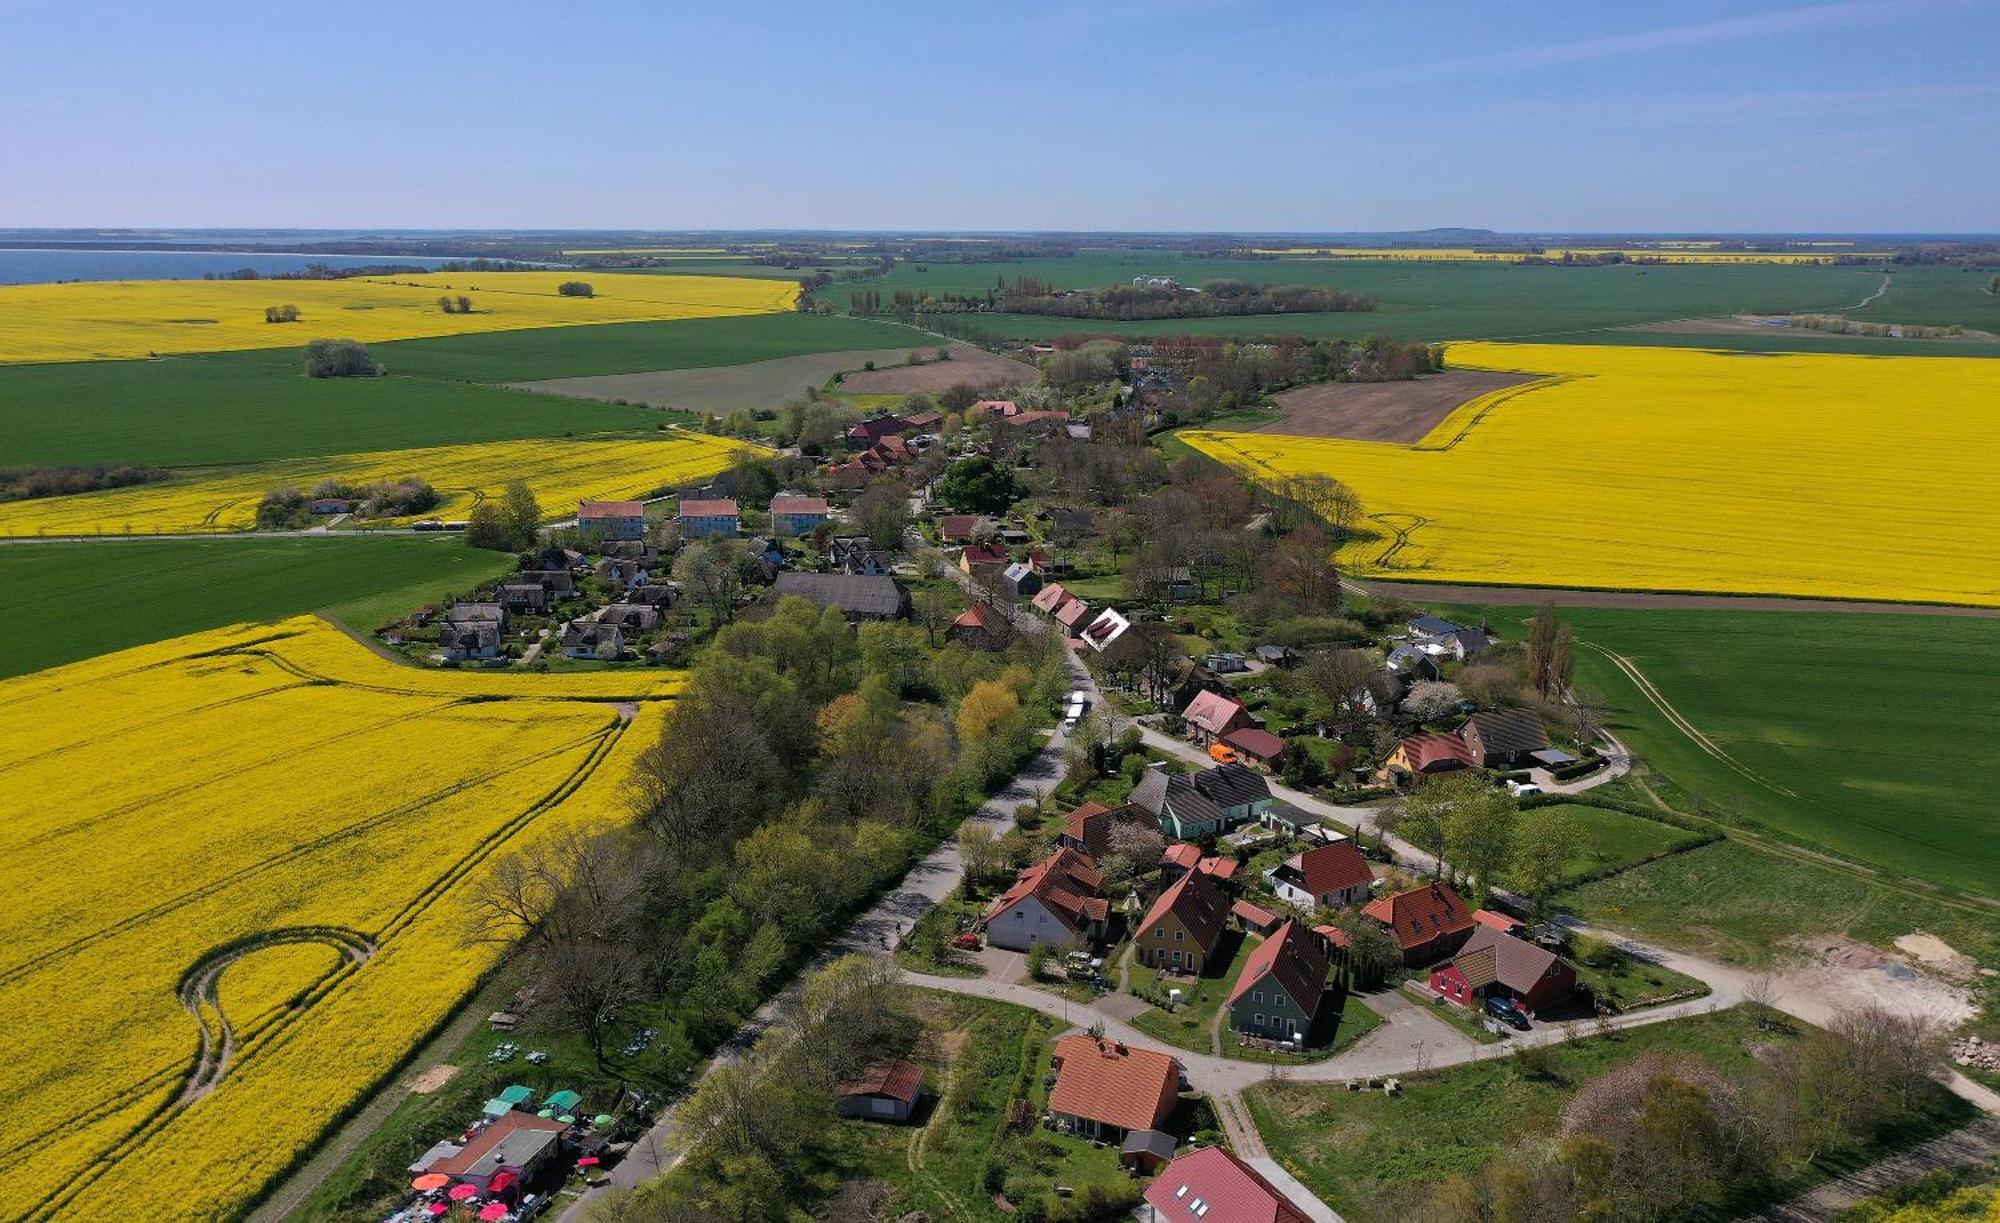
1678	469
115	320
277	829
560	472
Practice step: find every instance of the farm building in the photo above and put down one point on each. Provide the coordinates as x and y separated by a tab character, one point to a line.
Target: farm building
887	1092
1055	901
1492	963
1259	746
1106	1090
1504	738
584	639
980	627
523	596
709	518
612	519
858	598
977	560
1277	995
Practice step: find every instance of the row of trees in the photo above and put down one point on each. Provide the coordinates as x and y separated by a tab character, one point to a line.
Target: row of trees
511	523
339	359
285	508
26	483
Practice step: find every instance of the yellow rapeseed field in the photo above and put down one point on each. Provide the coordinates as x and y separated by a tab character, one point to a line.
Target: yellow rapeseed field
116	320
560	472
1680	469
254	825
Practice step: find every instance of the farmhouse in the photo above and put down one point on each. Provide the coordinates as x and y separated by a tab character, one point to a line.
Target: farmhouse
1106	1090
1190	806
523	596
1408	662
856	554
630	617
980	627
858	598
1425	755
1088	828
1427	922
554	581
1277	995
477	613
1050	597
960	528
1492	963
1180	932
1055	901
612	519
796	515
622	572
1212	1186
1072	614
1504	738
874	429
584	639
1211	715
1324	877
887	1092
709	518
466	641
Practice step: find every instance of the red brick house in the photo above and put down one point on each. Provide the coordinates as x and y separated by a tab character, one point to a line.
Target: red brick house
1210	716
1492	963
1428	922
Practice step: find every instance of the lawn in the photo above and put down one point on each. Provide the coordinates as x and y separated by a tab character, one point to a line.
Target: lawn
1613	840
64	602
1187	1028
1372	1156
1869	735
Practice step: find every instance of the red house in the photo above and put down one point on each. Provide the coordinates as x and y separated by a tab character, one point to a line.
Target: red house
1212	1186
1494	963
1428	922
1210	716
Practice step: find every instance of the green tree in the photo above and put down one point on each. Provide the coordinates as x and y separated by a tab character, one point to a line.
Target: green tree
1480	829
486	527
339	359
1541	648
978	485
522	515
1548	839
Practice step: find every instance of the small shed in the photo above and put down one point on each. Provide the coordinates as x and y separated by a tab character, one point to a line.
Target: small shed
1147	1151
563	1101
888	1092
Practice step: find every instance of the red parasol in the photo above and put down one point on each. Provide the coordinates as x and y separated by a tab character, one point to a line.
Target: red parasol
492	1211
588	1161
429	1181
461	1192
436	1208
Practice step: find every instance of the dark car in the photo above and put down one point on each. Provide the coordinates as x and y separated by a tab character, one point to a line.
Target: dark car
1505	1010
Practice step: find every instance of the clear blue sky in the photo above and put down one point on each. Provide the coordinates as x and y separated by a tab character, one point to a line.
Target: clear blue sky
1868	115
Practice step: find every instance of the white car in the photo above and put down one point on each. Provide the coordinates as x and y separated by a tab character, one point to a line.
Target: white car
1523	789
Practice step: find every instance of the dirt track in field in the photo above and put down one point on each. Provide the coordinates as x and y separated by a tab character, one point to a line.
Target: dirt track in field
1535	596
766	384
969	366
1381	411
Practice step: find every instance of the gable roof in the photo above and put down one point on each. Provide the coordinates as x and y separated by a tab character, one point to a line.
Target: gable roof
511	1141
1065	882
709	507
877	595
1196	902
1212	711
1199	797
1426	750
1327	869
1131	1088
1090	826
1019	571
1514	963
1508	731
793	504
1212	1186
1257	917
1050	597
1497	921
1257	744
899	1080
1421	914
1291	960
1182	854
976	616
1072	613
1432	626
959	526
587	510
986	554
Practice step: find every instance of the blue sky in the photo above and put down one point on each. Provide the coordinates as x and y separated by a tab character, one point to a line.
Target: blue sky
1863	115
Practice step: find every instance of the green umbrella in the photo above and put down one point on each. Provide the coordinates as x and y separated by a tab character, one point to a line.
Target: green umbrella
566	1119
547	1112
601	1119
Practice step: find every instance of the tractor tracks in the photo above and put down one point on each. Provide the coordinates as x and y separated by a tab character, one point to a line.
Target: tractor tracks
1680	722
200	993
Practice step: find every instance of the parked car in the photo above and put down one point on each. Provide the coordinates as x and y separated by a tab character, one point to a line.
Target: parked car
1523	789
966	942
1505	1010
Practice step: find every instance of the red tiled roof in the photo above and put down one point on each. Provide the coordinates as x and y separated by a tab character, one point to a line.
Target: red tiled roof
798	505
1181	854
1334	935
1081	822
1222	868
468	1159
1421	914
1072	613
1254	916
1050	597
898	1080
586	510
957	526
1211	711
1257	744
715	507
1425	750
1064	882
986	554
1515	963
1496	921
1133	1089
1293	960
1332	868
976	616
1212	1186
1199	905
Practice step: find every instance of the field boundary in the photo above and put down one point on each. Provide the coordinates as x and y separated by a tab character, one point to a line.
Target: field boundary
1680	722
1453	429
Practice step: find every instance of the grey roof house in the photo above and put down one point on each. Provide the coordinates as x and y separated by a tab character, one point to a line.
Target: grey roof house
1190	806
857	597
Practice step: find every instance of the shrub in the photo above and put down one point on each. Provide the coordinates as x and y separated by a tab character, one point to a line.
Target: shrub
575	288
281	314
339	359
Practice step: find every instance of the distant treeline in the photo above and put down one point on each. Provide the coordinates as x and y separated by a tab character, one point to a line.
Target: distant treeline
322	271
1121	303
27	483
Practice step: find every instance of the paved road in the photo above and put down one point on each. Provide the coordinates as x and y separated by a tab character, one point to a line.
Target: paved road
877	930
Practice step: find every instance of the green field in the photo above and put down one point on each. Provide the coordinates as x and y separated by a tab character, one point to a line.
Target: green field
63	602
1614	840
1422	301
1874	736
631	348
246	407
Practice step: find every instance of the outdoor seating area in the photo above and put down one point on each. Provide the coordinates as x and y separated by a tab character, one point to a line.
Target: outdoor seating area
507	1163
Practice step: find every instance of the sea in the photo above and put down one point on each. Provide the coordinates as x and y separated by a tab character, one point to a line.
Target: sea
43	266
